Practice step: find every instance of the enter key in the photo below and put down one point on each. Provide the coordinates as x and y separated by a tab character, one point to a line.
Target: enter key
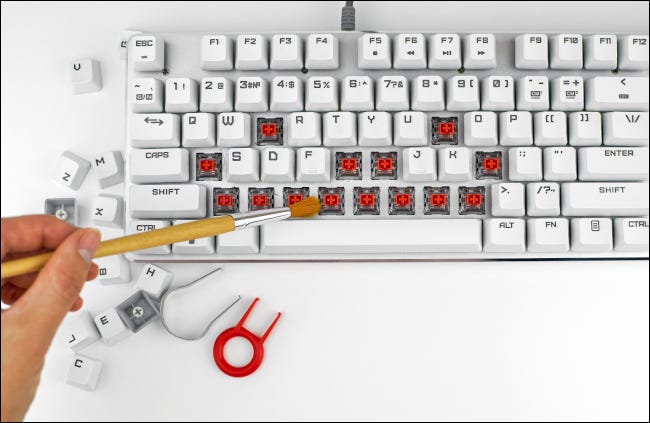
613	164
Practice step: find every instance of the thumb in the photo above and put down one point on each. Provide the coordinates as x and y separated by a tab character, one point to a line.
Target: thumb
58	284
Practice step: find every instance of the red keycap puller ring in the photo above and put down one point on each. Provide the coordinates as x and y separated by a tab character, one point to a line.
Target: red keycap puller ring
256	342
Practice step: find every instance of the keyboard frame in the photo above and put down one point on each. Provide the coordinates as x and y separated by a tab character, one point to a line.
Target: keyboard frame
182	59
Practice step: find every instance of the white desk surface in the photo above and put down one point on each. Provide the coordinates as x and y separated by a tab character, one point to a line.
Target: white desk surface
421	341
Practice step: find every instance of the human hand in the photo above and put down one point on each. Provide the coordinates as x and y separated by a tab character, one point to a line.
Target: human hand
39	301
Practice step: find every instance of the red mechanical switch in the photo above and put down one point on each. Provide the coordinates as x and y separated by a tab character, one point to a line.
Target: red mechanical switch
384	165
401	200
348	165
332	200
293	195
208	166
436	200
226	201
366	200
488	165
471	200
444	130
260	198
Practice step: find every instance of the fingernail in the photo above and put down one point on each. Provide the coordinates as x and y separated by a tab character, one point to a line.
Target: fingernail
88	244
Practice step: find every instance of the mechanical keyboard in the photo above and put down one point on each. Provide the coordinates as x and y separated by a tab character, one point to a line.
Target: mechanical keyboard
420	146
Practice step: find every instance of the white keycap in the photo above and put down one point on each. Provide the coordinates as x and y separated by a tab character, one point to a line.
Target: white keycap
480	129
246	241
548	235
392	93
80	330
374	51
322	52
147	53
516	128
193	246
427	93
613	164
605	93
286	94
411	128
199	130
216	52
251	95
109	169
585	129
550	128
454	164
123	43
567	93
543	199
70	170
409	52
508	199
631	234
83	372
233	130
111	327
498	93
605	199
357	94
154	280
633	52
159	165
339	129
252	53
181	95
342	236
313	165
375	129
322	94
216	95
504	236
444	51
591	234
621	128
479	51
177	201
303	129
113	270
463	93
532	93
531	51
600	52
138	226
86	76
419	164
243	165
566	51
525	163
286	52
560	164
155	130
146	95
108	210
278	164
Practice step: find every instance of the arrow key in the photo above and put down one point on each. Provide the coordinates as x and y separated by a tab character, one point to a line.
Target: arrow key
155	130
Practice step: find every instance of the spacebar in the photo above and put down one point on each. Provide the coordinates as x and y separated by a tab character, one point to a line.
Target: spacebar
372	236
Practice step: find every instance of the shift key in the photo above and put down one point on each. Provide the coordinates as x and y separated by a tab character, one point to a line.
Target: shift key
168	201
605	199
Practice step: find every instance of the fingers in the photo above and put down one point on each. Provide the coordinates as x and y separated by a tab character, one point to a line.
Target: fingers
30	233
57	286
10	293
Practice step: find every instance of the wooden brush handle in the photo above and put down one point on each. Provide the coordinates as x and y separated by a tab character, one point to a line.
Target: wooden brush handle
165	236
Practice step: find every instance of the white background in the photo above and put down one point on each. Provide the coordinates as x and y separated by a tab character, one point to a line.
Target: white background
423	341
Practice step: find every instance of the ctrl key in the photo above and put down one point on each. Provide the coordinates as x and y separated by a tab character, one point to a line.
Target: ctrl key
631	234
137	226
84	372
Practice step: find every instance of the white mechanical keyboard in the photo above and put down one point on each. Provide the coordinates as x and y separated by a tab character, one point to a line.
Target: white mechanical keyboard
420	146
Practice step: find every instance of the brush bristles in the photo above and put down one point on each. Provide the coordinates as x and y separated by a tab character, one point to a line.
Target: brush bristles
305	208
